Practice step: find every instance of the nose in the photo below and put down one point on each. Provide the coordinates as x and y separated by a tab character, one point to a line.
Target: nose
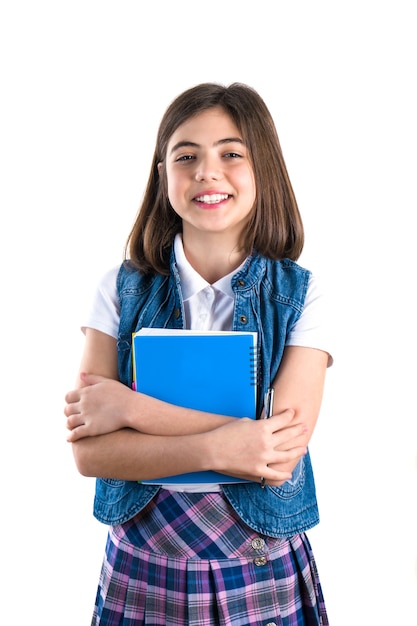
208	168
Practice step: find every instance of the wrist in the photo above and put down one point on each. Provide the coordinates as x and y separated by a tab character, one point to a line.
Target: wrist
131	413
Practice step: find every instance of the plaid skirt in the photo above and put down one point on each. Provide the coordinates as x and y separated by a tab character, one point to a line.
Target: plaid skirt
188	559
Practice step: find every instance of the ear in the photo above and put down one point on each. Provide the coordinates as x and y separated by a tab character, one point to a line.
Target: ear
159	166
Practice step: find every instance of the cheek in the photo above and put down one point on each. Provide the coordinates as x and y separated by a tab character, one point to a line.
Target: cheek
173	184
173	194
247	183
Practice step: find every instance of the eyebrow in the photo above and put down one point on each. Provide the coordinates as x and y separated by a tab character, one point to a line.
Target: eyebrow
191	144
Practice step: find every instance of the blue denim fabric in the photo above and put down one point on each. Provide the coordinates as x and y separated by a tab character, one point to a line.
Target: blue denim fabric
270	297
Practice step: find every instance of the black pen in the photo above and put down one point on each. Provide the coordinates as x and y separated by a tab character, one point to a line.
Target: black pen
268	412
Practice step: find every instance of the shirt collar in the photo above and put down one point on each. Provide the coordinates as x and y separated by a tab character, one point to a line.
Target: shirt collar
191	281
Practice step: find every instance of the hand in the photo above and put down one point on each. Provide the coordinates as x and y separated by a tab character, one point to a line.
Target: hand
96	409
298	449
250	449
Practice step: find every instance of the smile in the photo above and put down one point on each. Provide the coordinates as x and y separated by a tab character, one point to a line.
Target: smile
212	199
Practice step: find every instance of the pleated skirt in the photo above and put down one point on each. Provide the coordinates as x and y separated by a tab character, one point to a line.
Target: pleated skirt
187	559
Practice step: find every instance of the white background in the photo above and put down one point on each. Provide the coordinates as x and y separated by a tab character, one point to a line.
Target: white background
83	87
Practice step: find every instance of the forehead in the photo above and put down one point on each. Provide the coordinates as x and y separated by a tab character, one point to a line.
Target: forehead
206	127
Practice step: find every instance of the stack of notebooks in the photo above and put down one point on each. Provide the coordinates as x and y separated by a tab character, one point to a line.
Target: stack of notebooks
212	371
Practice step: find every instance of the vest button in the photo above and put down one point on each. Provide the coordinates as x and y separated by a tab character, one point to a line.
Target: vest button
243	319
260	560
177	313
241	283
258	543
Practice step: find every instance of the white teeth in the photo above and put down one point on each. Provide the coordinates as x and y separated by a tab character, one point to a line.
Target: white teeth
213	199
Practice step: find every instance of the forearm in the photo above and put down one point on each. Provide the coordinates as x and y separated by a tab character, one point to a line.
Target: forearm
299	385
244	448
129	455
105	405
155	417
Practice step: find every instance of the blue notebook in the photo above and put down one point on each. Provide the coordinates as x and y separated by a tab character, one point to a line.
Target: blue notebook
213	371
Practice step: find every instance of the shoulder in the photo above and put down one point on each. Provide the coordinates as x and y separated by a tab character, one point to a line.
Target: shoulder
130	281
104	309
286	267
287	281
108	280
314	327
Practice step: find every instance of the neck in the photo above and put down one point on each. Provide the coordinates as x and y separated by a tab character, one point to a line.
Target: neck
211	259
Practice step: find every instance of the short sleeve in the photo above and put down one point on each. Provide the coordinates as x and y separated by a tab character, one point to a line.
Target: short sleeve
104	313
313	329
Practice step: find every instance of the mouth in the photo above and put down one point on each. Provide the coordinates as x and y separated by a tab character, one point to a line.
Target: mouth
214	198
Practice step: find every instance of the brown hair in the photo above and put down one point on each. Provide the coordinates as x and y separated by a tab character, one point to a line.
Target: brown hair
274	228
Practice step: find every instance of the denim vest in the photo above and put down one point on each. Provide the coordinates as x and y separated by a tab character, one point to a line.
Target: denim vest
270	297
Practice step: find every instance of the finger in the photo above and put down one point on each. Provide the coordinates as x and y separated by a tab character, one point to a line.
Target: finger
76	434
75	421
282	418
290	433
277	475
72	396
287	456
72	409
69	410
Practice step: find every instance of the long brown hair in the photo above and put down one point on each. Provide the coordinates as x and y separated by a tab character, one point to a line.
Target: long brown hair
274	228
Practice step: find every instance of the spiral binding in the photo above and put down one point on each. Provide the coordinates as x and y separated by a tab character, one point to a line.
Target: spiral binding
255	365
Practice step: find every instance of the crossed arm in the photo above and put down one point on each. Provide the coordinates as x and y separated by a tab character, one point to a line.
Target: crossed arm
119	433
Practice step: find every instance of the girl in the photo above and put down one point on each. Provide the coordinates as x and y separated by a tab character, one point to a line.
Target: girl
214	246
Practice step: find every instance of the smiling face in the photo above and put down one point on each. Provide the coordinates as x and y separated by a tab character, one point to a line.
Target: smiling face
210	179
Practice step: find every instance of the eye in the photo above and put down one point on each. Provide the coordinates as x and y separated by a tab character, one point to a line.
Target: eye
183	158
232	155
